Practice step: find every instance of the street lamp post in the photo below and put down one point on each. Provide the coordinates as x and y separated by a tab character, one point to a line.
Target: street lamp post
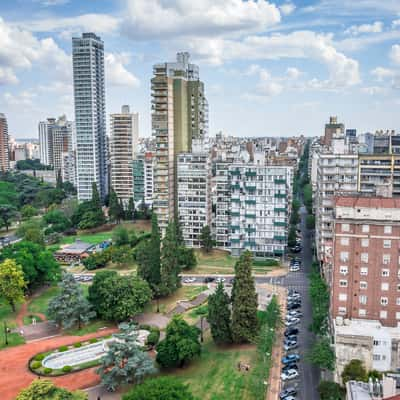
6	332
201	329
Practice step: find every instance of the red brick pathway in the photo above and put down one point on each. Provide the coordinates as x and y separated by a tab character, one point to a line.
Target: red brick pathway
15	375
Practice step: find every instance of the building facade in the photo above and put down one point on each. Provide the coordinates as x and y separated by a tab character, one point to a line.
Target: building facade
90	121
4	147
179	115
194	195
123	145
143	178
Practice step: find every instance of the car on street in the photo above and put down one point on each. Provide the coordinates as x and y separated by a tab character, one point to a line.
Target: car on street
290	398
293	306
295	249
189	280
291	346
290	339
284	394
291	331
290	366
220	280
295	313
294	269
290	358
209	279
292	322
291	374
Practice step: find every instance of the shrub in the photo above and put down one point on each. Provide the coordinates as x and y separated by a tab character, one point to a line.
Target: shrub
145	327
154	337
36	364
93	340
77	345
39	357
270	262
48	371
66	368
63	348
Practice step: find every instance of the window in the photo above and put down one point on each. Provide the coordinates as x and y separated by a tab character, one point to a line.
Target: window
364	271
385	286
397	315
342	310
384	301
365	228
387	244
376	342
386	272
398	287
344	241
398	301
342	297
376	357
363	285
387	229
364	242
364	257
344	256
386	259
363	299
343	283
345	227
362	312
344	269
383	314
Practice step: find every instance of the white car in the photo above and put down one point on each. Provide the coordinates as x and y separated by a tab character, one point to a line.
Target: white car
218	280
292	321
291	374
294	269
189	280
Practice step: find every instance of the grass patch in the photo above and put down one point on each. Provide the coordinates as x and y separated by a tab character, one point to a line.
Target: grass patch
187	292
91	327
8	316
40	303
28	319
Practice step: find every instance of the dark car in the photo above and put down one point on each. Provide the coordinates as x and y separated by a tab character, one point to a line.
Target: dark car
293	306
291	338
290	391
290	359
290	366
296	249
291	331
208	279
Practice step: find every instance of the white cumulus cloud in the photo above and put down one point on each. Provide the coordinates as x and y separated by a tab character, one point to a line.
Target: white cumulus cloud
395	54
171	18
375	27
287	8
116	72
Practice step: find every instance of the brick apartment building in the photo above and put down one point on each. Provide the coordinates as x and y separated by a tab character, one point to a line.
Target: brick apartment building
366	272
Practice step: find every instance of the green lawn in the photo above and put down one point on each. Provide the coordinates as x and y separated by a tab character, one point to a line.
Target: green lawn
221	262
214	376
91	327
40	304
8	317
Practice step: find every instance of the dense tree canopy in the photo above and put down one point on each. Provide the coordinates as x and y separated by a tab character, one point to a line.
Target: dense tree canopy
354	371
12	282
162	388
43	389
322	354
116	297
206	239
37	263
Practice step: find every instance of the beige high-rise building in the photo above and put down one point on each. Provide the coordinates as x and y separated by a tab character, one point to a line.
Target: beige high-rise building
4	151
123	145
179	115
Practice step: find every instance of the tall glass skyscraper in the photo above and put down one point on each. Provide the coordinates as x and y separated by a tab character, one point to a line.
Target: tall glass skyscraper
90	120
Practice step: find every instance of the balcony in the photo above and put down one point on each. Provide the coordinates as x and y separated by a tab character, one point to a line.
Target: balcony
234	200
250	230
235	214
235	172
252	216
280	238
251	173
251	202
250	244
278	223
280	210
235	187
280	195
280	181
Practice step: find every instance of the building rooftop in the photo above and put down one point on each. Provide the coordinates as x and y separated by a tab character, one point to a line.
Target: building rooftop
360	327
367	202
358	391
77	247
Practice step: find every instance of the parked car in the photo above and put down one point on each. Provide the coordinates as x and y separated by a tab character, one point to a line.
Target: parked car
291	346
296	249
290	391
289	339
290	366
294	269
291	374
209	279
293	306
295	313
290	358
290	398
189	280
292	322
291	331
220	279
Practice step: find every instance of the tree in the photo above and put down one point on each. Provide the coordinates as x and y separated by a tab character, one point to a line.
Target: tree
116	297
7	213
59	180
96	201
181	344
322	355
41	389
113	209
244	301
130	213
187	258
219	316
125	362
12	282
162	388
38	264
170	268
354	371
319	295
292	236
70	307
330	391
206	239
310	221
120	236
28	211
57	220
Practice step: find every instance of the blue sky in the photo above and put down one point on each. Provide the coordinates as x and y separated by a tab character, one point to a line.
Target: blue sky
270	68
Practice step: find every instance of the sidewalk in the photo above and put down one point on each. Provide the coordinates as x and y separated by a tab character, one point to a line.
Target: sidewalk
274	380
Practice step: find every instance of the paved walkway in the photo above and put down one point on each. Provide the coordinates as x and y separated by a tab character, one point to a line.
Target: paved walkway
15	375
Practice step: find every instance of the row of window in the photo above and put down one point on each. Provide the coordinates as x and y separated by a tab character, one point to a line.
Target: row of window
383	314
364	285
344	269
345	241
365	228
364	257
362	299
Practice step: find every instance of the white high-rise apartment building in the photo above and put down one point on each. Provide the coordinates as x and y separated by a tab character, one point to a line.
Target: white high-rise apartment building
123	145
4	147
46	141
194	195
90	120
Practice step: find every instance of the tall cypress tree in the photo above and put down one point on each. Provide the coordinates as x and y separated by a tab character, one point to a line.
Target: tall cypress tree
113	210
96	202
219	316
131	209
244	301
170	267
59	181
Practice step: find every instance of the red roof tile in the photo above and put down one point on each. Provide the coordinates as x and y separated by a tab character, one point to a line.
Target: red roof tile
367	202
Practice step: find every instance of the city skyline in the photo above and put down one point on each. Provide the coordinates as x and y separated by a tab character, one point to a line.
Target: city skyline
260	61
